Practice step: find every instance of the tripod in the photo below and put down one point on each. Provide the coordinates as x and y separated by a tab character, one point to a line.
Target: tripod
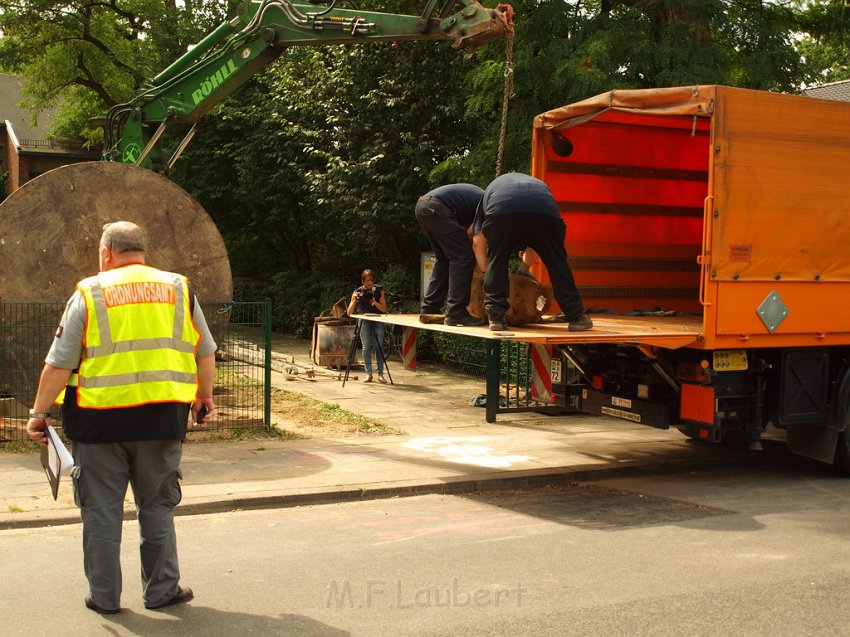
352	354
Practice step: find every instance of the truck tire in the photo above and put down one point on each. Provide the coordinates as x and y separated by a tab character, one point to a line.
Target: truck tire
842	453
842	414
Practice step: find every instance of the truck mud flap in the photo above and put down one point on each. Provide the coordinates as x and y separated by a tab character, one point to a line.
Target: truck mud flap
804	403
812	441
632	409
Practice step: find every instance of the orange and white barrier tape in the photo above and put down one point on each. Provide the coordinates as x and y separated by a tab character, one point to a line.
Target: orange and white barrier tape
541	372
408	347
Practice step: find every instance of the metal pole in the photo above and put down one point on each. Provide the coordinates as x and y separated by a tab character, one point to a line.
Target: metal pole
494	349
267	364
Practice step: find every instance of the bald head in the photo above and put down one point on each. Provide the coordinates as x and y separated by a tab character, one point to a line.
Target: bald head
121	243
123	236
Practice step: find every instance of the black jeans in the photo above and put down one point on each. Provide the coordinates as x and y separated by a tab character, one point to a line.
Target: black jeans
452	274
508	233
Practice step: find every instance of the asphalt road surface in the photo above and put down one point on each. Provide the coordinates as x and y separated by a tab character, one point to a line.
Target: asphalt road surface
763	550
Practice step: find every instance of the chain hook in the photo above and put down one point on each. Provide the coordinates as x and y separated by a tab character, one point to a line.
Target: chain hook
506	12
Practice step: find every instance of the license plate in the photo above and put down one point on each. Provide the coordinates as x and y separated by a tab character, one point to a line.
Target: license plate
730	360
555	370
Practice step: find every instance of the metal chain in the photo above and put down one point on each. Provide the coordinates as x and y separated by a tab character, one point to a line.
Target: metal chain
506	97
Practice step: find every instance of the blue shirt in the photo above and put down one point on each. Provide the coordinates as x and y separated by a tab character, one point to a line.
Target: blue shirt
515	193
461	199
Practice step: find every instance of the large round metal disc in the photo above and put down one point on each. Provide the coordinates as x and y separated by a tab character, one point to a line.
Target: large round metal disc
50	230
49	236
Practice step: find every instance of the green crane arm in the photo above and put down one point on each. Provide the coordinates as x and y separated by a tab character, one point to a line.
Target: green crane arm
226	58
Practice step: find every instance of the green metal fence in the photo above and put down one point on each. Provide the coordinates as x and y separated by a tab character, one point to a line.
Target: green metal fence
243	363
468	355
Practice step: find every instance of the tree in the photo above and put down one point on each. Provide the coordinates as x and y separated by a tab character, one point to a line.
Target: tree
89	55
826	40
326	153
568	51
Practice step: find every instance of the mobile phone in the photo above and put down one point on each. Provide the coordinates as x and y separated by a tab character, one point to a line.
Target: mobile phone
202	413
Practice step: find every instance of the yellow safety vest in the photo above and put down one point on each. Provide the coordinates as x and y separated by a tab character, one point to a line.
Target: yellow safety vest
140	341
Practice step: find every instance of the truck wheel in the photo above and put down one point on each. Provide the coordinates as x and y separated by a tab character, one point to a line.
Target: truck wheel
842	452
842	447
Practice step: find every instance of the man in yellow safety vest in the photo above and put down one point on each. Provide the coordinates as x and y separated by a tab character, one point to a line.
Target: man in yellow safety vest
134	356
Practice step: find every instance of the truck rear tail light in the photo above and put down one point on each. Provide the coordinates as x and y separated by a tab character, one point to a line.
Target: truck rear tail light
597	382
693	371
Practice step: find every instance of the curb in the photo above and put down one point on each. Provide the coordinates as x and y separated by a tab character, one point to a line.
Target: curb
521	479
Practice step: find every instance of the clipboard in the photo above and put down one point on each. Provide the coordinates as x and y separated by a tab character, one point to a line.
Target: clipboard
56	459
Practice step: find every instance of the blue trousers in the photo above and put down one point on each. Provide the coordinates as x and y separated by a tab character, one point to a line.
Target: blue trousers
371	333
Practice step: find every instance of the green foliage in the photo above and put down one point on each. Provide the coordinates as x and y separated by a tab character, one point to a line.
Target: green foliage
301	171
251	289
89	55
463	353
825	44
297	298
402	287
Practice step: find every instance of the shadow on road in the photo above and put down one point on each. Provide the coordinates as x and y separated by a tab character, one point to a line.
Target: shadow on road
210	622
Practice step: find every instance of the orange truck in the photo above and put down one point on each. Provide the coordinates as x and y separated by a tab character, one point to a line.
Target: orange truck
723	213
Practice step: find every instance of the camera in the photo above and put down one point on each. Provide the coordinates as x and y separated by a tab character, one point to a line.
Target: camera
366	294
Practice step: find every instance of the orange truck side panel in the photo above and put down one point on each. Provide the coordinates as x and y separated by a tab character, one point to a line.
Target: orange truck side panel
750	184
782	192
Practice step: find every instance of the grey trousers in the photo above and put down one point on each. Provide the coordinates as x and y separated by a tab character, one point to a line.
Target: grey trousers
153	469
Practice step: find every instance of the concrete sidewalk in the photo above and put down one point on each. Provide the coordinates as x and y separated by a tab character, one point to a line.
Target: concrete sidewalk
446	447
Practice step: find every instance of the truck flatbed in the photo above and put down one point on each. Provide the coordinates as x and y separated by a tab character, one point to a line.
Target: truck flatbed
662	331
669	332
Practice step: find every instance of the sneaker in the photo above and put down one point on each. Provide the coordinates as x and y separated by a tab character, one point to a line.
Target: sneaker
497	326
581	324
103	611
368	379
464	321
182	595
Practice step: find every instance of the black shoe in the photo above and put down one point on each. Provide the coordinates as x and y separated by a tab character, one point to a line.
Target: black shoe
182	595
103	611
497	326
464	321
581	324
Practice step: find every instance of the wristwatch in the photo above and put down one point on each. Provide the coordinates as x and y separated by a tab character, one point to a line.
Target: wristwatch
39	416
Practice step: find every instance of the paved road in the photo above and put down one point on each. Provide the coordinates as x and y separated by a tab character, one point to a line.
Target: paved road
763	550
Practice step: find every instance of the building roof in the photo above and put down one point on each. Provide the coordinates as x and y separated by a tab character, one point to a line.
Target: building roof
11	87
832	91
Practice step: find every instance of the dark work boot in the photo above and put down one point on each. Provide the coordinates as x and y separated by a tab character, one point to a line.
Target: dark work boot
182	596
497	325
581	324
467	320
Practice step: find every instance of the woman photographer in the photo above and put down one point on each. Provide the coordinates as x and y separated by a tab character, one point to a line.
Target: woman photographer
369	298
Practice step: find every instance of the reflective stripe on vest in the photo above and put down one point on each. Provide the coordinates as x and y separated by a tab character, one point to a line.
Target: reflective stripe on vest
143	366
